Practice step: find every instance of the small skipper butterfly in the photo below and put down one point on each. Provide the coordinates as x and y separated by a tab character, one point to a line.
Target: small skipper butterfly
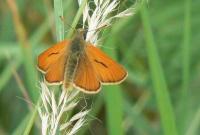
79	64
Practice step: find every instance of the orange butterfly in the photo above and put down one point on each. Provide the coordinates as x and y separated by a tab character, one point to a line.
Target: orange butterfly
79	64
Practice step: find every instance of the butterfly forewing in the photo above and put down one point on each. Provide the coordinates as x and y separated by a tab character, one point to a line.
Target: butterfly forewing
51	55
55	72
107	70
85	78
52	62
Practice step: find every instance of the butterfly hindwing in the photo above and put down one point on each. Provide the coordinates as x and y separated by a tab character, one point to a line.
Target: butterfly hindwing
108	71
85	78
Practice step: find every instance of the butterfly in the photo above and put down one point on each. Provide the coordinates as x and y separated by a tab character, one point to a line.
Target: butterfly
79	64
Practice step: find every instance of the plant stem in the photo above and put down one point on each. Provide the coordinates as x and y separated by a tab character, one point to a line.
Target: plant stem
58	11
77	17
186	69
159	83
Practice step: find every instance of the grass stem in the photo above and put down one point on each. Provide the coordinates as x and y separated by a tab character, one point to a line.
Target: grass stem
184	104
160	87
58	12
77	17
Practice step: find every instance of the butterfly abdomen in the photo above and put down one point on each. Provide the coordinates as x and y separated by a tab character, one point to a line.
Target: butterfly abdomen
74	54
70	70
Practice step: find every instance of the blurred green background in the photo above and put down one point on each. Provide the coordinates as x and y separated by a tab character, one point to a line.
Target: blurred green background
159	46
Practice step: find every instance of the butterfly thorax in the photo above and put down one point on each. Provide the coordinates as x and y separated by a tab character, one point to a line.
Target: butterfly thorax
75	51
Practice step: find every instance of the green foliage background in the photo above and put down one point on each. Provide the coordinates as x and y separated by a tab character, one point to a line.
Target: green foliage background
159	46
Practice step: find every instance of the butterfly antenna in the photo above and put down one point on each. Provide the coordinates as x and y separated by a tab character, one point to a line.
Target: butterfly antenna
62	19
97	29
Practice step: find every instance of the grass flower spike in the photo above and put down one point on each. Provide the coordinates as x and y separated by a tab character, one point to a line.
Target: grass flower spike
52	110
101	16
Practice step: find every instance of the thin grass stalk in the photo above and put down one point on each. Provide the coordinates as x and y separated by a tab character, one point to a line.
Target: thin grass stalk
76	19
58	12
114	110
160	87
184	104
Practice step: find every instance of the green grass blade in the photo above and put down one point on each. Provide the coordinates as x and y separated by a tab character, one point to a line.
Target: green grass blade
194	124
186	69
114	111
58	11
77	17
160	86
113	99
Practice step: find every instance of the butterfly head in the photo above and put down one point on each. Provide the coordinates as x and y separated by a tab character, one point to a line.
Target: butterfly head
81	33
78	43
